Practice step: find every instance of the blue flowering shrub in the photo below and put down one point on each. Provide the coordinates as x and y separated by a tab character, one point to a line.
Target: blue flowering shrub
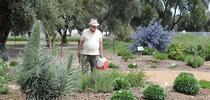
152	36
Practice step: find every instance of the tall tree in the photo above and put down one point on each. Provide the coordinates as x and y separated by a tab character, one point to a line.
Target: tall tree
67	12
4	23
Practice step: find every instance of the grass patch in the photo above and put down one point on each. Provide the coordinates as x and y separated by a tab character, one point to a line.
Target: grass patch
204	84
191	39
161	56
118	45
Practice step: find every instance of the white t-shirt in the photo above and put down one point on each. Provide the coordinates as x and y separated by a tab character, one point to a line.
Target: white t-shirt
91	42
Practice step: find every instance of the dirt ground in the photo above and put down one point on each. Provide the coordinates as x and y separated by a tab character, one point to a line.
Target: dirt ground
163	75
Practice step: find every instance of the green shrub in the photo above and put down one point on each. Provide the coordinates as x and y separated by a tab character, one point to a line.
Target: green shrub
112	65
191	50
161	56
121	83
136	79
3	89
204	84
133	65
176	52
149	51
13	63
195	50
195	61
123	95
3	69
207	52
154	92
125	54
186	83
17	38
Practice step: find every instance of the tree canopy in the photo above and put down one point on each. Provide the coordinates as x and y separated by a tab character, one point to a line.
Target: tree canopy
120	17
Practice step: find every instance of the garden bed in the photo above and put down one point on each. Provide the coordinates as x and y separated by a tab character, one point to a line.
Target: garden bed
144	64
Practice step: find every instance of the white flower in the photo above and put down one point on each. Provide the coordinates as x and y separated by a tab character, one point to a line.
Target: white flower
173	64
166	84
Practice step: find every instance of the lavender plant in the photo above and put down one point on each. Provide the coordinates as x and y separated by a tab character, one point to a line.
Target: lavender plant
152	36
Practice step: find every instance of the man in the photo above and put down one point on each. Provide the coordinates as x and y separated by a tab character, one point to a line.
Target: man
90	46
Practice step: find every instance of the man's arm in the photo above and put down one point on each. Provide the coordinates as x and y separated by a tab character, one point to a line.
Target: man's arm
101	48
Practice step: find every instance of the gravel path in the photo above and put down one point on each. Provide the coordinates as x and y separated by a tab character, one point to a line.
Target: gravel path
167	77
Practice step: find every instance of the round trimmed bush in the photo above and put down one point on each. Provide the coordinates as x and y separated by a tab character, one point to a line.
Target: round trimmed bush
123	95
121	83
154	92
186	83
195	61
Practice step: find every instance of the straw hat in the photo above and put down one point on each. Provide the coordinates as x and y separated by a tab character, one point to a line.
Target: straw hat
94	22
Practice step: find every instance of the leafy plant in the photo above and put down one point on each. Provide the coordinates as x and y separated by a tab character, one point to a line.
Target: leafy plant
186	83
125	54
112	65
155	92
3	89
160	56
121	83
3	69
195	61
176	52
204	84
4	77
135	78
41	75
153	36
13	63
133	65
195	50
207	52
123	95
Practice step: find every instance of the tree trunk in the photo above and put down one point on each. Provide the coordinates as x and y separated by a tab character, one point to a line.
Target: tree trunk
64	38
4	24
